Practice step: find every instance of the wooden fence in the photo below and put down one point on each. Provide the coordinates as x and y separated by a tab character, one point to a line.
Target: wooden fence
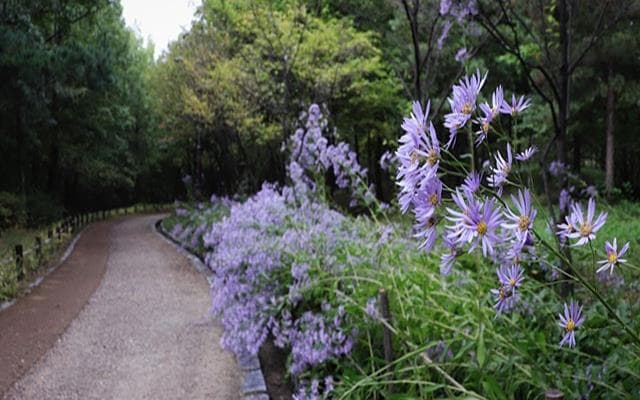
30	256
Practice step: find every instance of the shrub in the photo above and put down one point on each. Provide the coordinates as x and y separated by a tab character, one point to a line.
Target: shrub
12	210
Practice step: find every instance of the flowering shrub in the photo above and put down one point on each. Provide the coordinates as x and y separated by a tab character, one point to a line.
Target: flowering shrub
290	268
479	216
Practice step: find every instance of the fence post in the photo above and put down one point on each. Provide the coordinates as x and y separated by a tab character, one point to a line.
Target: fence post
19	262
38	249
386	332
553	394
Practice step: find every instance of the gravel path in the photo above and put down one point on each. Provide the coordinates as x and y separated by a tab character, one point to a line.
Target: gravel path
144	334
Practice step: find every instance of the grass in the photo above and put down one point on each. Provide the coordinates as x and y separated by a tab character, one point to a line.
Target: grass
447	338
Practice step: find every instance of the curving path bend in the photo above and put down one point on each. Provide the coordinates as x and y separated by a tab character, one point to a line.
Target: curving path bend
145	333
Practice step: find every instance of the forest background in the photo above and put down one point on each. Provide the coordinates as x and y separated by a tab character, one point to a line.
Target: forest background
90	120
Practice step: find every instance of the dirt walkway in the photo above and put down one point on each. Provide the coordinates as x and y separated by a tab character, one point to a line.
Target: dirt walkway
144	334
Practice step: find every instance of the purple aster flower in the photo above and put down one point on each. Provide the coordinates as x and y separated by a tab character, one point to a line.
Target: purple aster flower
571	319
557	168
613	256
521	222
506	295
445	6
568	227
463	103
416	147
479	224
489	112
517	105
586	227
386	160
372	307
448	256
564	200
417	121
472	182
427	199
510	277
497	99
484	124
459	9
462	55
527	154
444	33
466	205
502	170
505	298
486	225
591	191
427	233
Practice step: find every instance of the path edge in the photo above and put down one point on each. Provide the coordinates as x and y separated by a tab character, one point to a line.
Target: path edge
54	266
254	385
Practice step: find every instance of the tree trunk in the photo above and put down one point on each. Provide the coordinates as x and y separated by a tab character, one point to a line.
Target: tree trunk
609	164
412	18
563	119
565	75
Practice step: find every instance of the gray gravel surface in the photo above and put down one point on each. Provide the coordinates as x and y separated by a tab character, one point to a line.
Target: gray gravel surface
144	334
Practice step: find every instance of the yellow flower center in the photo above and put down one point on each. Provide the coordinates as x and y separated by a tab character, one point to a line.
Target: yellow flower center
481	228
432	221
504	294
415	157
432	157
433	199
570	325
485	127
523	223
570	228
467	108
613	258
585	229
512	282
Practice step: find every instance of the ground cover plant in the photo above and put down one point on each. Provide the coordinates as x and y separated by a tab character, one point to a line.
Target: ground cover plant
485	318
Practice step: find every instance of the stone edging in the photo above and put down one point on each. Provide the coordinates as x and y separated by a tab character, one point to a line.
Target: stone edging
254	386
67	252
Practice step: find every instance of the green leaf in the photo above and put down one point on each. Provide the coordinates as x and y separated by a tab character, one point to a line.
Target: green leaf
481	349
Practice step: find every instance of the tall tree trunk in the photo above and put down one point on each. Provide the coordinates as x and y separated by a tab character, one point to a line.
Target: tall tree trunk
609	165
563	118
20	141
565	75
412	18
577	152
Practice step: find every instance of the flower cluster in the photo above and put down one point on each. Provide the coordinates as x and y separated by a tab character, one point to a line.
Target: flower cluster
579	226
312	154
270	250
480	217
463	105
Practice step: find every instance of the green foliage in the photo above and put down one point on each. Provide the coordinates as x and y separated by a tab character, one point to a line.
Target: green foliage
12	210
42	210
75	112
232	89
448	341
